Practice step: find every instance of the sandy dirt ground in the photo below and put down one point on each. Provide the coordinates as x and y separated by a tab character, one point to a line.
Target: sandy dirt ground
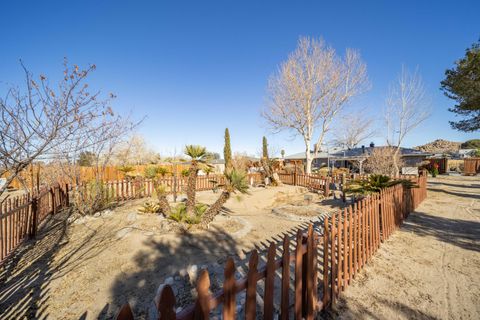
430	268
88	269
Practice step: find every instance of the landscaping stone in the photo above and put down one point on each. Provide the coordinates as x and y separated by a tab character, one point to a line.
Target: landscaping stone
123	232
132	216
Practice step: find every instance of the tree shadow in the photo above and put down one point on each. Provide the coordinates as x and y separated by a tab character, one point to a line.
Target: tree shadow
462	233
456	194
163	260
343	310
26	275
28	271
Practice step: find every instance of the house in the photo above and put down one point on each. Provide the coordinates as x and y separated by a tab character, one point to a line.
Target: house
352	158
299	159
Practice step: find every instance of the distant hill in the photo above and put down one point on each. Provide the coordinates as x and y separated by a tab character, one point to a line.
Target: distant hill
440	146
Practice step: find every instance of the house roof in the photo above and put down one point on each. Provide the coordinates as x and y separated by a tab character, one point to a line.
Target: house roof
301	156
365	152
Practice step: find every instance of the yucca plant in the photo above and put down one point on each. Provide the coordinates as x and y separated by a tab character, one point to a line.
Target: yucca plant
161	191
179	213
235	181
197	155
207	169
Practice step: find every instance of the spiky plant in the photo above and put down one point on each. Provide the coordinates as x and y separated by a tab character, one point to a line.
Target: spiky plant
197	155
150	207
235	181
375	183
207	169
162	171
161	191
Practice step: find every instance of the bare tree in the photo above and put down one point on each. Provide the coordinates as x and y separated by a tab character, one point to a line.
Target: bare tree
353	128
134	151
40	119
381	161
407	107
310	89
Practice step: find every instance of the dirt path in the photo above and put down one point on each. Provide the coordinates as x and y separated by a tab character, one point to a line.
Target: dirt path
429	269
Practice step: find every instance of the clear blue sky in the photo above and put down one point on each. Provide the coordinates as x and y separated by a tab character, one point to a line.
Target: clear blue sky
194	68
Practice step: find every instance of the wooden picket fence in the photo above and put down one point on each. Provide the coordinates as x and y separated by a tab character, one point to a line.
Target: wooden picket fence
121	190
21	216
310	181
321	267
471	166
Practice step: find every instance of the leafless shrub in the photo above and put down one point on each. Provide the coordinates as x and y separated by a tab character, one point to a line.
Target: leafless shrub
382	161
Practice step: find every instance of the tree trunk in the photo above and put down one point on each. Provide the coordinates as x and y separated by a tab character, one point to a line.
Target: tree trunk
164	205
308	164
395	162
214	209
191	186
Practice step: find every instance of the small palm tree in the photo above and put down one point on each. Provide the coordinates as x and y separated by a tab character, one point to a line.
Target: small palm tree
197	154
236	181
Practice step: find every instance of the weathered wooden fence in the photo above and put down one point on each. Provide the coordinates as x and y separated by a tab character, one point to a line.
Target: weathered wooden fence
471	166
321	267
21	216
312	182
121	190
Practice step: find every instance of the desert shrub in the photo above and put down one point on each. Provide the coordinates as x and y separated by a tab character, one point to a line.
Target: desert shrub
91	197
150	207
150	172
185	172
179	213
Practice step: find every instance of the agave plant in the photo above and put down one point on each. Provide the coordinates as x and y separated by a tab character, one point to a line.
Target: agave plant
236	181
150	207
197	155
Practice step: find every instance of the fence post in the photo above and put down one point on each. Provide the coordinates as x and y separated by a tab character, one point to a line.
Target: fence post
52	195
67	197
327	187
33	226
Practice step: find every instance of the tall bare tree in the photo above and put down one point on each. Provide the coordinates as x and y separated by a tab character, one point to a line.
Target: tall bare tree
309	90
407	107
353	128
39	117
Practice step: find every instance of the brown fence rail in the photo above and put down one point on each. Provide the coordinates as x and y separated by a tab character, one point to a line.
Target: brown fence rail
324	263
471	166
21	216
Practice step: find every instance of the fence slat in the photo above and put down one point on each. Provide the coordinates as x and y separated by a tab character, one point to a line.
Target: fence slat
285	278
269	283
298	276
202	305
229	291
251	301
